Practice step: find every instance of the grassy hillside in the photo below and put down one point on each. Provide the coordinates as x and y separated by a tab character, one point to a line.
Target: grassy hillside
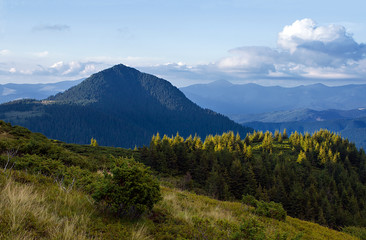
33	207
46	190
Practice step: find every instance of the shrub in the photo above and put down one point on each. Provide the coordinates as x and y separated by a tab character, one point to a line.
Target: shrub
251	229
267	209
129	189
249	200
271	209
355	231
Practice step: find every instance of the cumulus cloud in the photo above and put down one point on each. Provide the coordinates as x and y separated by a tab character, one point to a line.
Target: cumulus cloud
305	49
70	69
250	59
55	27
332	44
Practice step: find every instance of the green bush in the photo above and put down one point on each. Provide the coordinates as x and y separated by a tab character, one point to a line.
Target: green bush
249	200
267	209
128	190
359	232
251	229
271	209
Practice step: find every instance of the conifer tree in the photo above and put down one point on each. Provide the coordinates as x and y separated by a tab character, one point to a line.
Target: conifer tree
93	142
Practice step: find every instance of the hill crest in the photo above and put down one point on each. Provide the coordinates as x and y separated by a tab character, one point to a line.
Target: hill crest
119	106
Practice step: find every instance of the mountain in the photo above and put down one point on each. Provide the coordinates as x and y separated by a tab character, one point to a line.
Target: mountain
353	129
11	91
302	115
119	106
349	123
241	99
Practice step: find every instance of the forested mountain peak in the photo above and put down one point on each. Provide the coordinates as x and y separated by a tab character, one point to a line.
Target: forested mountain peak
121	84
119	106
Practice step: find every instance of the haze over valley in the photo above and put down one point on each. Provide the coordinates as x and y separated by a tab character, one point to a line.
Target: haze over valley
183	119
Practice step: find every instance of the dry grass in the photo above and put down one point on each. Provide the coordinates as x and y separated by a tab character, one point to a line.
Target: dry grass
26	214
46	212
139	232
186	206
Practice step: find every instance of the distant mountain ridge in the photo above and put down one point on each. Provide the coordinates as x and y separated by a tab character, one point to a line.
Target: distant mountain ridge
350	124
12	91
242	99
302	115
353	129
119	106
304	108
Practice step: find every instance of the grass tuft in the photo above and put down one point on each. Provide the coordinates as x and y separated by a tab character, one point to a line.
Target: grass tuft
26	213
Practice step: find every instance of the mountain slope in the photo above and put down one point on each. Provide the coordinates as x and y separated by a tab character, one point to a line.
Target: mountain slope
48	195
234	99
119	106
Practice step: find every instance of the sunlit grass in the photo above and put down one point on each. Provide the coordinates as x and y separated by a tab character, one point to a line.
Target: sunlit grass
26	213
36	210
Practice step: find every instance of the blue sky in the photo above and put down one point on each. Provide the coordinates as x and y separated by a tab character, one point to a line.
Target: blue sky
283	42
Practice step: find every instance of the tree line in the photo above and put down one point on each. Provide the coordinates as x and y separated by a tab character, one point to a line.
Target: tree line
319	177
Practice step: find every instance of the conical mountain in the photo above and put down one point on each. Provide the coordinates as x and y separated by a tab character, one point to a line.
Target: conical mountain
119	106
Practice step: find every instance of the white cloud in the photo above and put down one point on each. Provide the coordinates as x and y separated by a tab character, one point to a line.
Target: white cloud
72	69
4	52
306	51
329	45
250	59
41	54
306	30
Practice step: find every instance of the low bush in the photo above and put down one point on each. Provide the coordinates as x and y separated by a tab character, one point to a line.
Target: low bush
249	200
266	209
251	229
359	232
128	190
271	210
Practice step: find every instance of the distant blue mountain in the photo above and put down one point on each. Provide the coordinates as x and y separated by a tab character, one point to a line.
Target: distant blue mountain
11	91
242	99
301	115
353	129
304	108
350	124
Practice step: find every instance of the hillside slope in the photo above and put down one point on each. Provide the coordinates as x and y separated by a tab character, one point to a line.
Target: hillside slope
46	195
69	215
119	106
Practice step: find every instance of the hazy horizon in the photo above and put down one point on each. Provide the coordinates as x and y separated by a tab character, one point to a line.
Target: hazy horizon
282	43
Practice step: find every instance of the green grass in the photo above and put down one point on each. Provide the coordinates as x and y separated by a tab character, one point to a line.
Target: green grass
34	207
36	203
